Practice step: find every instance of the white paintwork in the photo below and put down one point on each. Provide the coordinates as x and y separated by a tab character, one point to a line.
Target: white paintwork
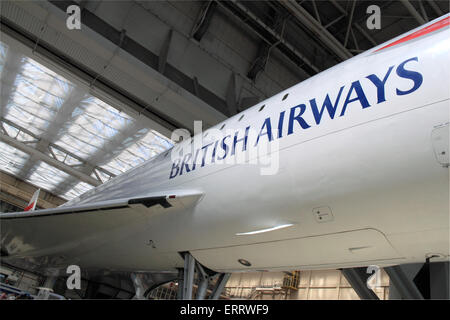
33	201
375	169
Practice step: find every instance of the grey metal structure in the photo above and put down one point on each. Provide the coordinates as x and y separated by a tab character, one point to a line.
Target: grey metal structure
401	278
357	277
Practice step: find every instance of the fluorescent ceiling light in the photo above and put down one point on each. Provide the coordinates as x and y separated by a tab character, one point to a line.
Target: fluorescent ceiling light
265	230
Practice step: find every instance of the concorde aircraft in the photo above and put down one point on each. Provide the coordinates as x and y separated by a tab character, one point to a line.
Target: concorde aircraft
354	173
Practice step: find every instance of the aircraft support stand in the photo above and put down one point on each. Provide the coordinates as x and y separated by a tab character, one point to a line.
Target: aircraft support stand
139	286
186	280
44	291
357	277
204	281
220	285
401	278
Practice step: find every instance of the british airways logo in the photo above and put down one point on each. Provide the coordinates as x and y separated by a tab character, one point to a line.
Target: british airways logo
296	119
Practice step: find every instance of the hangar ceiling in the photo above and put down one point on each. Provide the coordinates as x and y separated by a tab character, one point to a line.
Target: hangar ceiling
80	106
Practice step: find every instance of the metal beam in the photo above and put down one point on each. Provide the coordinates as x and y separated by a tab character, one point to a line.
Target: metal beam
131	133
269	35
423	11
357	26
143	54
220	285
189	270
316	12
317	29
53	131
204	280
231	95
102	85
203	20
49	160
413	12
11	68
435	7
402	283
349	27
162	59
357	277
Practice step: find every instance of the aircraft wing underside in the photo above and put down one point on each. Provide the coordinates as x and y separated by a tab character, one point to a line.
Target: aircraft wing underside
77	229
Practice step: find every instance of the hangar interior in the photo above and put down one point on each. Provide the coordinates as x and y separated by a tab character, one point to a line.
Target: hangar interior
81	106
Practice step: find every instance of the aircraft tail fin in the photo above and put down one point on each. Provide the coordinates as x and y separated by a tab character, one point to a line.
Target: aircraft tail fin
32	204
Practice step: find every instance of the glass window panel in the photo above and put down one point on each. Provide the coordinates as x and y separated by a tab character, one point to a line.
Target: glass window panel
96	124
150	145
38	95
94	130
47	177
12	159
3	52
77	190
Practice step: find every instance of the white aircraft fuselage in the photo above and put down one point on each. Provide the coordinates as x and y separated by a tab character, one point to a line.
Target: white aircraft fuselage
361	177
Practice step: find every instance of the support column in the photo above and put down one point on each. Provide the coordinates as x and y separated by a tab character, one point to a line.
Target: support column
138	286
203	285
220	285
189	269
180	284
440	280
401	278
47	288
357	277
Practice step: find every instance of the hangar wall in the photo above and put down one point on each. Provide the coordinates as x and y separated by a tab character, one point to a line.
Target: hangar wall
314	285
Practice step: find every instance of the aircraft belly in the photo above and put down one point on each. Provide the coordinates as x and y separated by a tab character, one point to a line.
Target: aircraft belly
381	175
353	247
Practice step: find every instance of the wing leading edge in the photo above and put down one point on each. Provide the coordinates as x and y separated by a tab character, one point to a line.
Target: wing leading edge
72	229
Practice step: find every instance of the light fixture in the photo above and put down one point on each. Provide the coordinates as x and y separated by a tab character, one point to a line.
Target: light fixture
265	230
244	262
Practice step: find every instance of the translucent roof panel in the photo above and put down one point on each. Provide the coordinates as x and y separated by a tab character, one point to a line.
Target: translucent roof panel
77	190
150	145
3	50
38	95
96	124
69	124
12	160
47	177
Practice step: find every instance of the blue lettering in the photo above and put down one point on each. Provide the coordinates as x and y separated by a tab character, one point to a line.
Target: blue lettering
236	140
205	148
224	148
175	165
331	108
267	132
297	118
184	164
380	84
356	86
213	156
415	76
280	124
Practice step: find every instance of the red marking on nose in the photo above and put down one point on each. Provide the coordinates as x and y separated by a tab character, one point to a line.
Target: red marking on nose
432	27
